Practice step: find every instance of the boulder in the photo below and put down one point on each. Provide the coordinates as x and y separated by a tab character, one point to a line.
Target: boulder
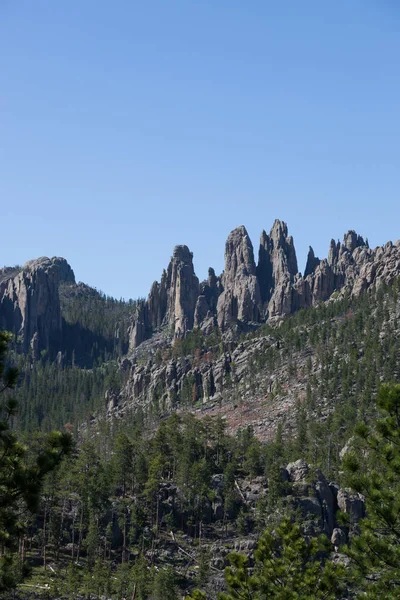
338	538
298	470
351	503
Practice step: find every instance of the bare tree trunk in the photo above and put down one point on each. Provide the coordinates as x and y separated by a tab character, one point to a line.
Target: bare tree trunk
80	536
124	537
23	549
157	513
73	538
60	533
44	535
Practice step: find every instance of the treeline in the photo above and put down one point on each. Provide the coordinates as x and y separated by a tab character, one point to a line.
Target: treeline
51	395
95	326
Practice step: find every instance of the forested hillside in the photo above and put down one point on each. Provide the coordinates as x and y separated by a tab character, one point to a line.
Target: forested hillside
253	412
157	493
95	326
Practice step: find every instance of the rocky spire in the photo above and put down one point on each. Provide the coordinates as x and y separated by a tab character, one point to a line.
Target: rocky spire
283	252
171	302
352	240
139	330
211	289
157	302
276	269
312	262
241	298
183	291
333	255
264	267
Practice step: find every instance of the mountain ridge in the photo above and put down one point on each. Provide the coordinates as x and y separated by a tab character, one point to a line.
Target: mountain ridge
246	294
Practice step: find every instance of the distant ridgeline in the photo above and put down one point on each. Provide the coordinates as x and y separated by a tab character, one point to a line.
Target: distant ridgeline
48	311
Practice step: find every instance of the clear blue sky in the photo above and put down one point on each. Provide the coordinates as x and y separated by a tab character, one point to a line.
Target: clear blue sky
128	127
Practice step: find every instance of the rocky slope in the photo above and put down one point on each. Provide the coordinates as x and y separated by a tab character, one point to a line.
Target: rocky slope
307	491
315	359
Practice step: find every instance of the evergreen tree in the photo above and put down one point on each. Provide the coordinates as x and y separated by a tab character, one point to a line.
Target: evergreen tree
21	475
374	471
164	587
286	568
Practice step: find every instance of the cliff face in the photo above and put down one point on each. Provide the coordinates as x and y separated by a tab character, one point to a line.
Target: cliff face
250	293
172	302
241	299
277	269
29	301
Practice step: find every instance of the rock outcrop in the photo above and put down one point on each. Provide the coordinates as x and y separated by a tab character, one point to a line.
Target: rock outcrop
312	262
246	294
241	299
276	270
182	291
172	302
320	502
29	302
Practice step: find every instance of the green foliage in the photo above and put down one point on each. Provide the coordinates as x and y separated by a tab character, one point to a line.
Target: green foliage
52	395
94	325
21	474
164	586
114	503
286	568
374	471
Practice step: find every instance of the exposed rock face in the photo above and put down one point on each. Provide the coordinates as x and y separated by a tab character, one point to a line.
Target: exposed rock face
333	255
264	268
298	470
211	289
276	270
138	331
351	266
338	538
157	302
312	262
29	301
352	241
248	294
320	501
171	302
245	293
352	504
241	299
183	291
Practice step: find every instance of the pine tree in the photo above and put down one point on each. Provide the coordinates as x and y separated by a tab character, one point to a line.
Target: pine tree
374	471
164	587
286	568
21	476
